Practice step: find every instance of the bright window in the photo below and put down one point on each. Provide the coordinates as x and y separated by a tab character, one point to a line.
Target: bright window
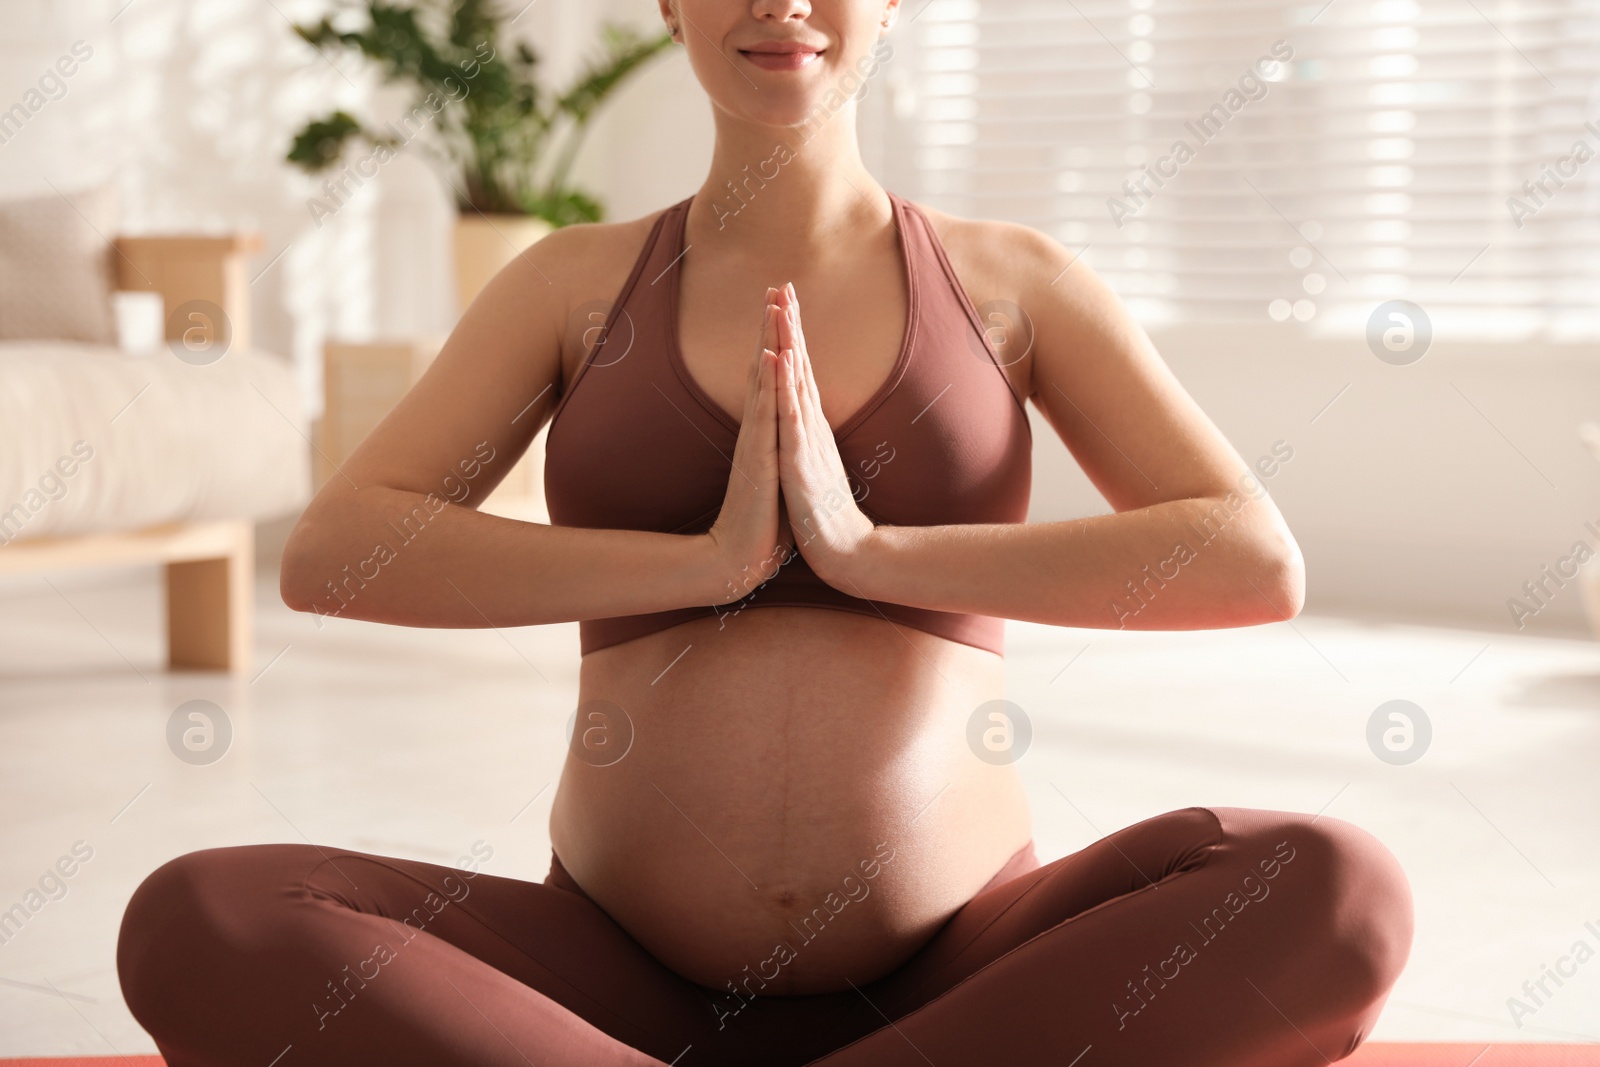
1255	161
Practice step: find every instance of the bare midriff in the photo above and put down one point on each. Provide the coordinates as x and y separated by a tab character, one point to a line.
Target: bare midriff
798	800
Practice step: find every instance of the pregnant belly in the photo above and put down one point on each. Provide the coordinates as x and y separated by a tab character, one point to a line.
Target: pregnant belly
792	806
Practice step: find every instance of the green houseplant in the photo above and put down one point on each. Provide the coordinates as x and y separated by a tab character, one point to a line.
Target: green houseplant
507	144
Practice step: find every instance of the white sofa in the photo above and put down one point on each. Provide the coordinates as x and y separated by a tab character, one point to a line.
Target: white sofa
112	457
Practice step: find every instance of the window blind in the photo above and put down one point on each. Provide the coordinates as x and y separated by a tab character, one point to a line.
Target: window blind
1271	161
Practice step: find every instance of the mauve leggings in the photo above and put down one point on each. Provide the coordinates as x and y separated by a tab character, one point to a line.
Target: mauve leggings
1231	937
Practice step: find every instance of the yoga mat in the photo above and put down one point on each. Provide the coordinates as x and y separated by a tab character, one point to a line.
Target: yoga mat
1369	1055
1476	1054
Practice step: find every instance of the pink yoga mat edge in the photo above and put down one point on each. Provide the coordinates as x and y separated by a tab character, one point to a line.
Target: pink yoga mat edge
1381	1054
1473	1054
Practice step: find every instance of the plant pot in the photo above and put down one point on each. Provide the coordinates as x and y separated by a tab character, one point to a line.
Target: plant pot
485	244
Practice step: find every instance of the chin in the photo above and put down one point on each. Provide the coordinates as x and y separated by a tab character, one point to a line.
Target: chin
784	99
786	111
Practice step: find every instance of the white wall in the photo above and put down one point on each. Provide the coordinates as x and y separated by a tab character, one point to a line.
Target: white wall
1407	501
1429	492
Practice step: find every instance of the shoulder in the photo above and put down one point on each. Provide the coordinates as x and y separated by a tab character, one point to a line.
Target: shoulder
987	243
1009	260
553	290
1007	267
587	260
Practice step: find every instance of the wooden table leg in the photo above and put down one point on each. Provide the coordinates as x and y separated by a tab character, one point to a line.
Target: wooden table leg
208	608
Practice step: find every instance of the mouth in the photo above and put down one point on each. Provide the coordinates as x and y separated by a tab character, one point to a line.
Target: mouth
781	57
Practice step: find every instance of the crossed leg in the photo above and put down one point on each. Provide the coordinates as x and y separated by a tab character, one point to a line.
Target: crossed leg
325	956
1200	937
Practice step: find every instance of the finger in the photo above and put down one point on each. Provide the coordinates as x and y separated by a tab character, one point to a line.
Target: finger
807	371
791	408
761	344
764	339
805	388
770	325
806	396
753	439
767	406
771	365
752	380
787	302
785	336
750	420
771	341
771	298
781	390
748	446
791	332
772	405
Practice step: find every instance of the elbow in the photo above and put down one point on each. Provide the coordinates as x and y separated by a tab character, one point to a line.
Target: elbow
294	582
1277	584
302	563
293	590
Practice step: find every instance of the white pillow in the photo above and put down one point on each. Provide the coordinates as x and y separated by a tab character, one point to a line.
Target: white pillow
56	266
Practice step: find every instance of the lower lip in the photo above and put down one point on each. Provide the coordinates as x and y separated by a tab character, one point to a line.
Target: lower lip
780	60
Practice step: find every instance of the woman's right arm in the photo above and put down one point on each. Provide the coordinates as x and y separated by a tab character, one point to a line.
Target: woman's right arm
394	536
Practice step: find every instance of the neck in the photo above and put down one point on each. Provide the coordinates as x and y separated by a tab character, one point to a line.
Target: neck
802	188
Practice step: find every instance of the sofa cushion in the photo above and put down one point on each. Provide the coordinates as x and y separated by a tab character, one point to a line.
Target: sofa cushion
97	441
55	266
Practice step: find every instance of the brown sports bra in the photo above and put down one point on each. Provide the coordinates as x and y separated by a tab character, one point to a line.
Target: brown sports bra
636	444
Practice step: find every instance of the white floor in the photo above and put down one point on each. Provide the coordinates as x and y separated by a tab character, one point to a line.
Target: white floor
422	743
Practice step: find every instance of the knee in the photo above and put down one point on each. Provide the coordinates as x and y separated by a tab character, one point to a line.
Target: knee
1357	911
164	918
192	920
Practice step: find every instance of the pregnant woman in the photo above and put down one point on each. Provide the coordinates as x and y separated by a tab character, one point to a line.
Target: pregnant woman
788	470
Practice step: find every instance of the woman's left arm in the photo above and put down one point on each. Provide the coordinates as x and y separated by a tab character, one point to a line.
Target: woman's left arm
1194	542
